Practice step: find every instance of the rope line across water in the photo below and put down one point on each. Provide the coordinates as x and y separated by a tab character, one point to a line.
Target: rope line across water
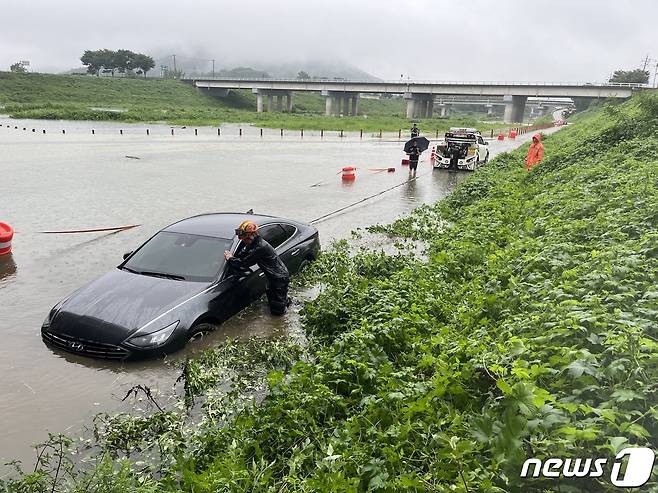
321	218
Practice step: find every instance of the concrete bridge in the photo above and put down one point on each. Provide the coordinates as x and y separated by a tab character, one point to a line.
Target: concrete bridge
538	105
342	96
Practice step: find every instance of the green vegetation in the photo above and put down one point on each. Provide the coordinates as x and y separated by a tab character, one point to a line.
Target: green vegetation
529	330
637	76
74	97
123	61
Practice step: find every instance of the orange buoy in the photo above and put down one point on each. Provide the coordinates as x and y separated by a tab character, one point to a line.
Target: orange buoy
501	136
349	173
6	235
512	134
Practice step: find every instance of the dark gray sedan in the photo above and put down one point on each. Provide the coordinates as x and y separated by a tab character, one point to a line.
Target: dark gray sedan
172	289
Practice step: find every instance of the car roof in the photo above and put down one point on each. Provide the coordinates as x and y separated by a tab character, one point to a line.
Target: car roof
221	224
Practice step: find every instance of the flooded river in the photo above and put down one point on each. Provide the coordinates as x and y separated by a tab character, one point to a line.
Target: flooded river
76	180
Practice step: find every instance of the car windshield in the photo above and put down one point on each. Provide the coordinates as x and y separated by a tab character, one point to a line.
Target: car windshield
180	256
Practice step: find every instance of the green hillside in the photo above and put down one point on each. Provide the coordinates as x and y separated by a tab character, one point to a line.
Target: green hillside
82	97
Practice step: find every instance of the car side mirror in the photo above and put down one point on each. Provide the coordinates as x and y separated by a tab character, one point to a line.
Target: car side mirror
127	254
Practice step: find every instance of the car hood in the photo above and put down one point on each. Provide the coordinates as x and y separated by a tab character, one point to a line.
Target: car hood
115	305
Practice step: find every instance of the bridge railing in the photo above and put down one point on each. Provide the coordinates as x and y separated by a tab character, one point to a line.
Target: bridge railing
410	82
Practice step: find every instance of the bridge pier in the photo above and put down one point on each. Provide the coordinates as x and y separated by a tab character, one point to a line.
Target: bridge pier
490	109
271	94
411	107
328	110
340	103
419	105
514	108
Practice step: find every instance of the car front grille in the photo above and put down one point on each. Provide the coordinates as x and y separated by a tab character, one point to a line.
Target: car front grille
84	347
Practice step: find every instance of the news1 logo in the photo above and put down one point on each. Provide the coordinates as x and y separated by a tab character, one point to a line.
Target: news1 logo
639	463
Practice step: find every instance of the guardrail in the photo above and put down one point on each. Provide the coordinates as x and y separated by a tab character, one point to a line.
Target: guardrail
409	82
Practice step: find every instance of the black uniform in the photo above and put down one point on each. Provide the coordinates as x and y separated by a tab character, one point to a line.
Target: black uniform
414	154
262	253
415	132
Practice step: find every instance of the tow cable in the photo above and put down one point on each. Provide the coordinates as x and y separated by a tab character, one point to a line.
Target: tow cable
325	216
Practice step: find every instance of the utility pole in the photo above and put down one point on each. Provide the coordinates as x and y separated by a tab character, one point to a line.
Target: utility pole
213	68
645	63
174	64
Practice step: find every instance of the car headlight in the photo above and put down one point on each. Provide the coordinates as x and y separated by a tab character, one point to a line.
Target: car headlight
51	315
156	338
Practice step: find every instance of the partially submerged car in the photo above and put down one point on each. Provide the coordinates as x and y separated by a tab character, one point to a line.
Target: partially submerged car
174	288
463	149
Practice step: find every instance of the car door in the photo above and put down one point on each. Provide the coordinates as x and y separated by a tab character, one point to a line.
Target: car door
280	236
482	148
291	252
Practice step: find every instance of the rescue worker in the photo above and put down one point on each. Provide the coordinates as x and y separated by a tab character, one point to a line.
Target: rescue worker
414	154
535	153
415	131
258	251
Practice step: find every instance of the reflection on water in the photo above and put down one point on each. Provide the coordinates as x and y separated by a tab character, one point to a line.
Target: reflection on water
76	180
7	269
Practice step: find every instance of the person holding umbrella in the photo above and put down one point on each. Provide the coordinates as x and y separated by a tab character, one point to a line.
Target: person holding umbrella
414	148
414	154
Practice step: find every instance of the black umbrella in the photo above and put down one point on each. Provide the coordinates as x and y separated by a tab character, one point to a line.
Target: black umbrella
421	142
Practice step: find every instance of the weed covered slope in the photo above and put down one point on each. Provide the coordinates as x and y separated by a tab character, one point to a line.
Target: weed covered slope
530	332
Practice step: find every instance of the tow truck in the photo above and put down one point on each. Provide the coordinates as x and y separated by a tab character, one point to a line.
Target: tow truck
463	149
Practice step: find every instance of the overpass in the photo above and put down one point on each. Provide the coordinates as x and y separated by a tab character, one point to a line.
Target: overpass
342	96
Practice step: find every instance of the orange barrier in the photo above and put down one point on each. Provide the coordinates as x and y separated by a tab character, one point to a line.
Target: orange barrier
6	235
349	173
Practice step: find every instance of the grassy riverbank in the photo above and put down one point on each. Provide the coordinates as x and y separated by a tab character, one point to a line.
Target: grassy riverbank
530	330
69	97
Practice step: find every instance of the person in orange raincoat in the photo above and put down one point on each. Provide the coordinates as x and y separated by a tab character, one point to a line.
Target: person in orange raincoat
535	153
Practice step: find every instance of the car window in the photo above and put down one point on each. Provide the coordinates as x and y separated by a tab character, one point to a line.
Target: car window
289	229
274	234
192	257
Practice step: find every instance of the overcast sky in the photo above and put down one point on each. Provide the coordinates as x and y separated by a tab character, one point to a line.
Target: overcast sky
556	40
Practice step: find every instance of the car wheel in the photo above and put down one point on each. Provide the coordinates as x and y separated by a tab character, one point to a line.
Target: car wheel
198	332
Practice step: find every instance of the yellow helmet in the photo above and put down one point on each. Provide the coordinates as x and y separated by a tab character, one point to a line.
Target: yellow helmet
246	227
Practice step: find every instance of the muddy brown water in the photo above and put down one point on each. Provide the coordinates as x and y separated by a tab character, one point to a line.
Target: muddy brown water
57	181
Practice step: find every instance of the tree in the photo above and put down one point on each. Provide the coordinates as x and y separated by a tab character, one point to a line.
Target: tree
18	68
637	76
124	60
121	60
143	62
303	75
93	61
